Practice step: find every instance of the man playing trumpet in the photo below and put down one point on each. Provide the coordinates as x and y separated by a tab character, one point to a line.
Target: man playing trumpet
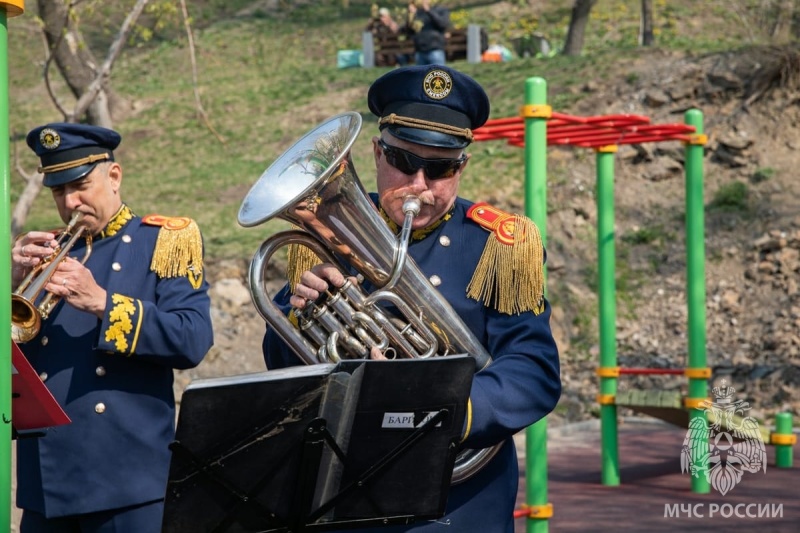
137	309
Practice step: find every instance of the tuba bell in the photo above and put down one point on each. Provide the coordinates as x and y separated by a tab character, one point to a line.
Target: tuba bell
26	315
314	186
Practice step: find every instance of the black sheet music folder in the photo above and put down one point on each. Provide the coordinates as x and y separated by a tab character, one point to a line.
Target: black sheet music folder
316	448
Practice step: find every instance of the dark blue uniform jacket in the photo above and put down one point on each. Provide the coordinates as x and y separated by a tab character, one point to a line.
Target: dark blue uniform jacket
114	378
519	387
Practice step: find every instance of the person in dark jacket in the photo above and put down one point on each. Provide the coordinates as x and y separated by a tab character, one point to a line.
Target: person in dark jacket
426	117
428	26
137	309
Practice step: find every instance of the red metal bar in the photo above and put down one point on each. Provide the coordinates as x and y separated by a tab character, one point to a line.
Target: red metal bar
588	132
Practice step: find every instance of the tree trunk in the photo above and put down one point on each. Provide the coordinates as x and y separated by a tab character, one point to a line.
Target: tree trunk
646	28
577	26
76	63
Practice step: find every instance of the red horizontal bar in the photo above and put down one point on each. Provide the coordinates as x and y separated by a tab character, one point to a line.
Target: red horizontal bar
587	132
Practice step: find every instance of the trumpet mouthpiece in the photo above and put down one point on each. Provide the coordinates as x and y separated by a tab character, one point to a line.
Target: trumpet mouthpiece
76	217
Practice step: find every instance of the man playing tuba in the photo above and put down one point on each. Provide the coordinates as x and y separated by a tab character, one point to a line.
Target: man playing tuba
135	311
488	264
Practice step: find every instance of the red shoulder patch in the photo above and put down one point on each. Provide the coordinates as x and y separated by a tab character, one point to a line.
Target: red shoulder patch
172	223
499	222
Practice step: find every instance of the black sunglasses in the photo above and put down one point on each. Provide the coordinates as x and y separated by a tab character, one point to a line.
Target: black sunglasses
408	163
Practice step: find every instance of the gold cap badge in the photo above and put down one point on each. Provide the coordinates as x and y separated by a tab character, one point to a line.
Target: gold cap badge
437	84
49	138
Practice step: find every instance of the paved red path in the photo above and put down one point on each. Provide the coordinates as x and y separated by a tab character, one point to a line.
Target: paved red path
651	481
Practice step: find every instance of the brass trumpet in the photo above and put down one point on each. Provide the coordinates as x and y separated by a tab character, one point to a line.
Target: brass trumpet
26	315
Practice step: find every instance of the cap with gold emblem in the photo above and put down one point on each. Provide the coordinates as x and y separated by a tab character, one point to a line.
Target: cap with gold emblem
70	151
432	105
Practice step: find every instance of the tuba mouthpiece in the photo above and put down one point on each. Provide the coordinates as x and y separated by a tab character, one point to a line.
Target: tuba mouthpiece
411	205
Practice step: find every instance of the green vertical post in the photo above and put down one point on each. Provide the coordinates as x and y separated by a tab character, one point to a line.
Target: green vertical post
783	440
696	277
536	114
8	8
607	318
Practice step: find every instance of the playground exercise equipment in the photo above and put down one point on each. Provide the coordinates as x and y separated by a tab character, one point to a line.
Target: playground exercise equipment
539	126
8	8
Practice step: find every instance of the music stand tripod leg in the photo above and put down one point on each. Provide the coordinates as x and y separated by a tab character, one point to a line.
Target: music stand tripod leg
383	463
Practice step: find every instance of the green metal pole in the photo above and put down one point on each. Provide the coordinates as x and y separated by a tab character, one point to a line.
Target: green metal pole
5	275
607	319
5	284
783	430
696	277
536	210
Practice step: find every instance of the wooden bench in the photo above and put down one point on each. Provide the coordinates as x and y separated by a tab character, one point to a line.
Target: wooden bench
462	43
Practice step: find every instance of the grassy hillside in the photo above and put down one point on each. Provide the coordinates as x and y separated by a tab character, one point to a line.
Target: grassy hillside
267	75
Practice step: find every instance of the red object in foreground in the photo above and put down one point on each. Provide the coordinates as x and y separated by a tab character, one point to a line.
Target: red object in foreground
32	404
519	513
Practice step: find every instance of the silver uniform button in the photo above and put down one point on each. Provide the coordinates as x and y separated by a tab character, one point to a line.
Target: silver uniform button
100	408
116	266
45	340
444	240
126	238
43	376
435	280
100	371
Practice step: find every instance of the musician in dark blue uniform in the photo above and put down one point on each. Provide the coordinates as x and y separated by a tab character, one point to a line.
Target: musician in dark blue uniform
135	311
488	264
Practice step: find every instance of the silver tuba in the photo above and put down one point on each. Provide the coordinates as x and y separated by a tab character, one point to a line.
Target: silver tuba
314	186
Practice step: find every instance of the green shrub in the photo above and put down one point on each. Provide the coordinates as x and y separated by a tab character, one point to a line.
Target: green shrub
730	197
762	174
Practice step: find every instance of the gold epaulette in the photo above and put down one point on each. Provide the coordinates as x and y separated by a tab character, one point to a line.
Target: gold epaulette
510	273
299	258
179	248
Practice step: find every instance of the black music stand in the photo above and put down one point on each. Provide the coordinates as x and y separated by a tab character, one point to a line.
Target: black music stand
317	448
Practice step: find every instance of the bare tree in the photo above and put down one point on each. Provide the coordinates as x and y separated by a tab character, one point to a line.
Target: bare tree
200	110
87	81
33	184
646	37
577	26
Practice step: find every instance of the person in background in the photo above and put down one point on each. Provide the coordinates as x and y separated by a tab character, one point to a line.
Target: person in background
381	25
487	263
386	20
137	309
428	26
